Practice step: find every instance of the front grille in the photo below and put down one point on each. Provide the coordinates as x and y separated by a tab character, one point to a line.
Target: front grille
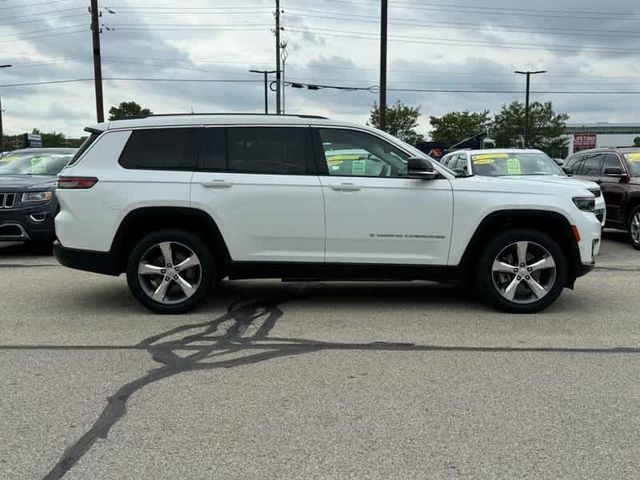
7	200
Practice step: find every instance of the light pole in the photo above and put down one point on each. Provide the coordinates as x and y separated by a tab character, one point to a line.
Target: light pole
526	106
266	90
1	132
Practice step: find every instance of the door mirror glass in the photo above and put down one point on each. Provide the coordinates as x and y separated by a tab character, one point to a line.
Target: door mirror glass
568	170
418	167
614	172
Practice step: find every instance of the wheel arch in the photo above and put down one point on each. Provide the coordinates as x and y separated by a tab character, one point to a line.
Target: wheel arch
552	223
144	220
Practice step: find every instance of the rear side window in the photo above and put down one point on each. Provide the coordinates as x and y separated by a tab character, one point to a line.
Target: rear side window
83	148
161	149
277	150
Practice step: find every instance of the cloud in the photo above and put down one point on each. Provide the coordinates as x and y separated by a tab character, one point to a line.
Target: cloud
434	46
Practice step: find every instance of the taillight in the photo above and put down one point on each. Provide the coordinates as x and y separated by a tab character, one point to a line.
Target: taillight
81	183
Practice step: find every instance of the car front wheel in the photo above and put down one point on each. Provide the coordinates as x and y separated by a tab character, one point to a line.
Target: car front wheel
170	271
522	271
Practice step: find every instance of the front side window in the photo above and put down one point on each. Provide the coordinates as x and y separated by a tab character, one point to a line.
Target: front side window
592	166
270	150
611	161
358	154
161	149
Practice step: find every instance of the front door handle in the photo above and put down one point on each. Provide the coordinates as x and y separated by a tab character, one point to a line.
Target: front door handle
345	187
216	184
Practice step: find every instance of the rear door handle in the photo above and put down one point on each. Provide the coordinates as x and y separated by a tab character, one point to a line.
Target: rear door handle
216	184
345	187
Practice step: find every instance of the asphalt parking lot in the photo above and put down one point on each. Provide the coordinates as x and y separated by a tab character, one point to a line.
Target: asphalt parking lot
273	380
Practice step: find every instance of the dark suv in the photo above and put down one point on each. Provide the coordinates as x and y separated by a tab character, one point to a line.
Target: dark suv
27	201
617	170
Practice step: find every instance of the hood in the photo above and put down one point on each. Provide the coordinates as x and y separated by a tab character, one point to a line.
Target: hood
557	179
519	185
20	183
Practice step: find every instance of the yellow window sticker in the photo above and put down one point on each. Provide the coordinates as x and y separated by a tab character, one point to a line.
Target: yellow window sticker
38	165
8	159
633	157
338	159
487	158
513	166
358	167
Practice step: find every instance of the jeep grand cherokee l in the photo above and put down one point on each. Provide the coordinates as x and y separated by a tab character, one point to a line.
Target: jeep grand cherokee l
180	202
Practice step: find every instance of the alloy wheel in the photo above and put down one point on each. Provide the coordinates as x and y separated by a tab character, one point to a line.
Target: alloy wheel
523	272
169	272
635	228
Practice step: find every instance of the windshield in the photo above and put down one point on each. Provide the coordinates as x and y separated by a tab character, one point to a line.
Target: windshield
514	163
35	164
633	160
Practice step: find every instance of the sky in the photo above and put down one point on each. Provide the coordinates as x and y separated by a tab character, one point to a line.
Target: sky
452	50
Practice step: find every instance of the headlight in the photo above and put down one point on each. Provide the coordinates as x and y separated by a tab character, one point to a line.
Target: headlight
37	196
586	204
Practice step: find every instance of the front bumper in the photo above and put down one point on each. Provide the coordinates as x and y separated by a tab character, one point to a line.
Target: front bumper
33	223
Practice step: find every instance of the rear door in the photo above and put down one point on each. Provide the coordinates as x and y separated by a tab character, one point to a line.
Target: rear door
374	213
260	186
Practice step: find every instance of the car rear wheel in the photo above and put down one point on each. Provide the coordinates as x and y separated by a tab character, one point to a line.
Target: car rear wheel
634	228
522	271
170	271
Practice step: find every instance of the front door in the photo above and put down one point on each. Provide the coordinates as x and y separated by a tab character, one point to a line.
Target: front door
373	212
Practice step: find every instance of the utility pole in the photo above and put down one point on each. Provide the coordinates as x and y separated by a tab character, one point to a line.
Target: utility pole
278	84
1	131
383	65
97	60
266	90
526	105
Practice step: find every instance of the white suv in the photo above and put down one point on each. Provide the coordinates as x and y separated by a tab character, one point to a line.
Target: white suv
179	202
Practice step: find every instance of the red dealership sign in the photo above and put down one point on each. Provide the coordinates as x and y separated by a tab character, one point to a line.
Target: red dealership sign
584	141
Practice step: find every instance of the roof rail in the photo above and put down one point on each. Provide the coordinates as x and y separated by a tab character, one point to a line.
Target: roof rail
135	117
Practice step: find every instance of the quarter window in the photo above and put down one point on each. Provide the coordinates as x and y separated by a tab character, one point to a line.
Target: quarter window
357	154
161	149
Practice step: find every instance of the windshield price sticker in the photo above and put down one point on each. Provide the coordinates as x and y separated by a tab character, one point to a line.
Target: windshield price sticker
358	167
38	165
487	158
513	166
633	157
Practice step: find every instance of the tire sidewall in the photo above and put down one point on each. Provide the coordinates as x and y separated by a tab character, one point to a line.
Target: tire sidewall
631	215
495	246
189	239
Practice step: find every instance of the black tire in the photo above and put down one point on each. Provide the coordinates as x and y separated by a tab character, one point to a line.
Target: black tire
634	243
183	238
496	246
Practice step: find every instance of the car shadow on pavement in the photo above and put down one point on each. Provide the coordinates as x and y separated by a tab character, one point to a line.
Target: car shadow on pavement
22	249
240	337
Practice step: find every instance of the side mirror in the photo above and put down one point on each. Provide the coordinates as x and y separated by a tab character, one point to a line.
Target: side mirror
568	170
421	168
615	172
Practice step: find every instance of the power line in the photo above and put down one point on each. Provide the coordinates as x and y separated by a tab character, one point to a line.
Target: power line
495	10
456	43
50	29
35	4
44	36
465	26
43	14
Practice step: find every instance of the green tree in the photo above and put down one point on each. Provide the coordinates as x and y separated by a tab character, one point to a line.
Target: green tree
128	109
546	128
636	141
401	121
454	127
